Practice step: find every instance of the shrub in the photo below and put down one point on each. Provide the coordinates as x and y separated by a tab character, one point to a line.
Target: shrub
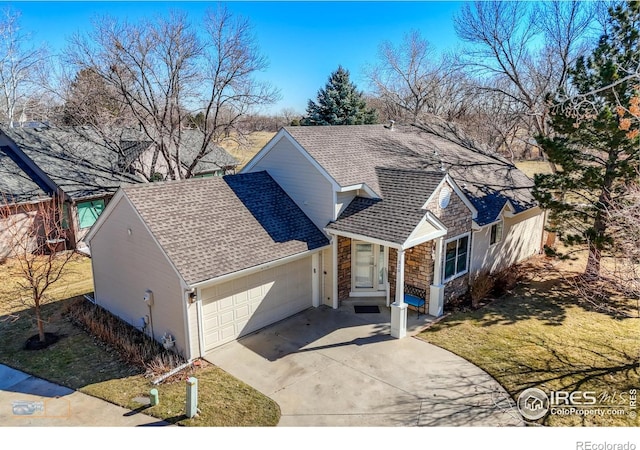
506	280
131	344
481	286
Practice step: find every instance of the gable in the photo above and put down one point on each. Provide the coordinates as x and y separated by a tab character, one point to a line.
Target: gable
210	227
394	217
300	177
456	216
352	154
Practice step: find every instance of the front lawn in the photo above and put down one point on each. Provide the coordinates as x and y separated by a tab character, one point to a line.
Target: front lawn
542	336
80	362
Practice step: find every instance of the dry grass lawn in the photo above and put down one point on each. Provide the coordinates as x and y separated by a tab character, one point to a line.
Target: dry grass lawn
257	140
530	168
80	362
542	336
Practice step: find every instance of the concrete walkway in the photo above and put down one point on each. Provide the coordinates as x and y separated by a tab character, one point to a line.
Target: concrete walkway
29	401
336	368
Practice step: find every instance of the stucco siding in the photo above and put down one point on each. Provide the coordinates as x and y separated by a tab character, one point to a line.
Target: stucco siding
17	226
308	188
521	238
125	265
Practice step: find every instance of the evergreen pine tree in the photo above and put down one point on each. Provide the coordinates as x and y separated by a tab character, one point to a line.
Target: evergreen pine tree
595	143
339	103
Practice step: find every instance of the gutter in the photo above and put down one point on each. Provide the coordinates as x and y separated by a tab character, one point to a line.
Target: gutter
255	269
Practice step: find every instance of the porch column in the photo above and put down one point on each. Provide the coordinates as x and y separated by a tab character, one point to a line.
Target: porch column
399	307
436	290
315	280
334	256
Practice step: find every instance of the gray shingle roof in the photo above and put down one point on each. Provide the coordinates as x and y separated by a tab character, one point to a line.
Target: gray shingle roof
393	218
16	185
79	166
352	154
210	227
216	159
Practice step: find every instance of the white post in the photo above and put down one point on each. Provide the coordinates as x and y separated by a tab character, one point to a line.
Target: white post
315	280
436	290
334	256
399	307
192	397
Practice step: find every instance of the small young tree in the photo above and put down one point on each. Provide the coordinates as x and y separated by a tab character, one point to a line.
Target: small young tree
595	144
33	235
339	103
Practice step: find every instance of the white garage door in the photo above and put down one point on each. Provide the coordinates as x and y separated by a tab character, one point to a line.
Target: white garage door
238	307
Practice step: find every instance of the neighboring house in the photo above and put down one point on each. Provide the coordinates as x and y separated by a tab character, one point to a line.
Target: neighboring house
63	163
141	155
216	162
83	168
400	206
20	195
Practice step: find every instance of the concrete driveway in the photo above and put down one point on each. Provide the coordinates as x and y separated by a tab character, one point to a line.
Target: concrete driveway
329	367
29	401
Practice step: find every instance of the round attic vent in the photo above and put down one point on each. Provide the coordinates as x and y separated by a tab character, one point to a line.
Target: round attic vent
445	197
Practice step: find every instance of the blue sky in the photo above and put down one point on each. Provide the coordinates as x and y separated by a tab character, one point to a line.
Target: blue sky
304	41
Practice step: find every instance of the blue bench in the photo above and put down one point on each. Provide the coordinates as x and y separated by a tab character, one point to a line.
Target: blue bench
416	297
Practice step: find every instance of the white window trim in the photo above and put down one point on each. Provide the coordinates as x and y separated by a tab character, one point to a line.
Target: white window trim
498	239
444	257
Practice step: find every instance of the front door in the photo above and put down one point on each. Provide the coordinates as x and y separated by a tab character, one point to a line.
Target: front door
369	262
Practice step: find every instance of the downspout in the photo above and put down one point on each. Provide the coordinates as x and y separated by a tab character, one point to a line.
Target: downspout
186	301
199	320
544	225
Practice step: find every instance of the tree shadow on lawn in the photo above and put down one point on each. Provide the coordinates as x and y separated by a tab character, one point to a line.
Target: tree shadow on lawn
608	367
75	361
545	300
544	294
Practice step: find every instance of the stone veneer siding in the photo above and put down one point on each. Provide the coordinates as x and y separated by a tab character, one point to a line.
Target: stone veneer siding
391	270
418	266
457	218
344	267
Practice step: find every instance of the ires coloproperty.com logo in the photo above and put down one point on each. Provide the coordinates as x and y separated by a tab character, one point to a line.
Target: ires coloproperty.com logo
534	403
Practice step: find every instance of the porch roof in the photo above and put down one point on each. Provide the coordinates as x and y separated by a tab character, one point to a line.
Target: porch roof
394	217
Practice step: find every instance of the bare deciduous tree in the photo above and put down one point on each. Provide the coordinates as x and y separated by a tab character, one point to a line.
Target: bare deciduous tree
505	52
624	219
34	234
20	61
411	79
164	74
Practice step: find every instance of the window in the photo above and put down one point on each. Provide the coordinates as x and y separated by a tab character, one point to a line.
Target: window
65	216
88	212
496	233
456	257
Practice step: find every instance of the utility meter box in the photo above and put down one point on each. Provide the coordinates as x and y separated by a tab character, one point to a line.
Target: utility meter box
148	297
